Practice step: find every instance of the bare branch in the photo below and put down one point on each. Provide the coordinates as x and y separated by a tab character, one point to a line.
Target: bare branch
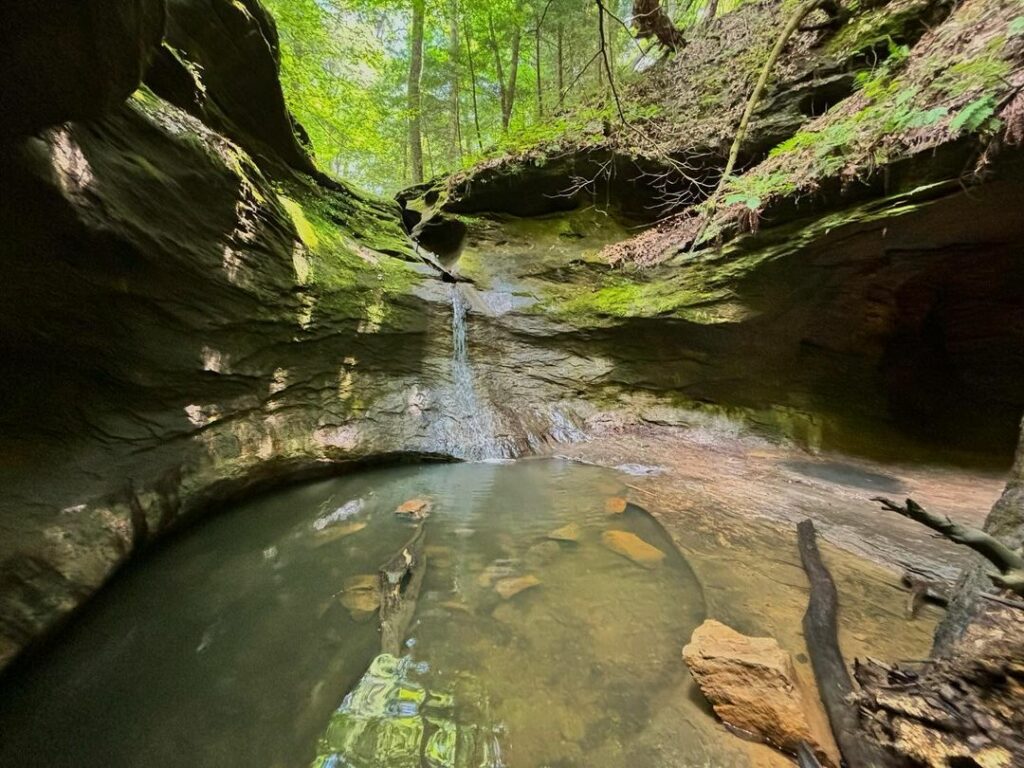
1009	563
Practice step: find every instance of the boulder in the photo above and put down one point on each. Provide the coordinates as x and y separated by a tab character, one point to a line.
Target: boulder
632	546
752	684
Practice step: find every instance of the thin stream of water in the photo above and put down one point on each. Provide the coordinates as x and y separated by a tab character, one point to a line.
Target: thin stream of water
476	434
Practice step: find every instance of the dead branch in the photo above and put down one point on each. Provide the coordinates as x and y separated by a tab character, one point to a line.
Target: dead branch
1009	563
835	686
400	581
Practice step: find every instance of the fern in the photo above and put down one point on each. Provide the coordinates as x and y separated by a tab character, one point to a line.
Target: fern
972	117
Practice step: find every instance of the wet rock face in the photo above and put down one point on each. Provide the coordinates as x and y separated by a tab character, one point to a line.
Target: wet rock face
61	61
752	684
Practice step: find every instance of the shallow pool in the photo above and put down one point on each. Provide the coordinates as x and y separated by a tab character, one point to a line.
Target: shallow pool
547	632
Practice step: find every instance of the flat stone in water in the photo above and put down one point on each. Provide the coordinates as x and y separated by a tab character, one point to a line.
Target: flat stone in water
340	531
615	505
570	532
418	508
632	546
509	588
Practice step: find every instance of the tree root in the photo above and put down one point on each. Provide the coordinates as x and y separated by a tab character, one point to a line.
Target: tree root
1009	563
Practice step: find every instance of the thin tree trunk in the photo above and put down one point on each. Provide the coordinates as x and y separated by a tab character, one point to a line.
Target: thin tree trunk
513	72
453	52
561	67
415	102
536	64
499	69
472	82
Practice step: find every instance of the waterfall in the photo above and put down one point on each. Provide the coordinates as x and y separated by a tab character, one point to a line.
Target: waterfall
475	435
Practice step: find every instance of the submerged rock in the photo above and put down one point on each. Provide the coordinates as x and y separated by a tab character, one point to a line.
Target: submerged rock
344	512
615	505
542	553
570	532
509	588
339	531
632	546
752	684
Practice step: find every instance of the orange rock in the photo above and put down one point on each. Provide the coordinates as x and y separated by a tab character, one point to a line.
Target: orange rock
752	684
418	508
511	587
632	546
615	505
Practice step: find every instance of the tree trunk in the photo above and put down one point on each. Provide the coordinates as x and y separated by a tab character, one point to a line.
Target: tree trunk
708	12
472	84
453	53
499	70
536	64
513	72
963	707
561	67
415	102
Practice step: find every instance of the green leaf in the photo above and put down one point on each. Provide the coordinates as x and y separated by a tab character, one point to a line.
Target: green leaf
928	117
974	115
1016	27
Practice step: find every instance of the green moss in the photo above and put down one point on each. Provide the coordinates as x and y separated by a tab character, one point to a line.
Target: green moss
306	231
877	27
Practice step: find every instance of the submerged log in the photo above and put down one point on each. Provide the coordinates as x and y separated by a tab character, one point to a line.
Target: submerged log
400	581
834	683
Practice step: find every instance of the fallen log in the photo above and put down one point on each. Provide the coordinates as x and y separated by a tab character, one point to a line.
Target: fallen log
835	685
401	578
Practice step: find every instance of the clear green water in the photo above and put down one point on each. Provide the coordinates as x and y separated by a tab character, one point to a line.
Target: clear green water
232	646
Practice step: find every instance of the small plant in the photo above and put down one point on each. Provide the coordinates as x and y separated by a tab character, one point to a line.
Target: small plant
974	116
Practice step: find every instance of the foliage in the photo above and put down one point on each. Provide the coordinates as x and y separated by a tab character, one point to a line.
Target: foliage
344	66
